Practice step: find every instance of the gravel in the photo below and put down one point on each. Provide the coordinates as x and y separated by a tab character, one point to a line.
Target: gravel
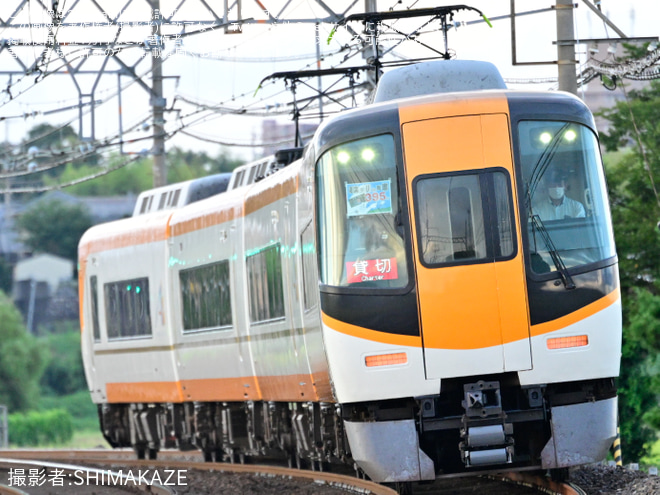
599	479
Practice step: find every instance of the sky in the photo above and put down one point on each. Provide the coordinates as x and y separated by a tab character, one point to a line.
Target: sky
225	69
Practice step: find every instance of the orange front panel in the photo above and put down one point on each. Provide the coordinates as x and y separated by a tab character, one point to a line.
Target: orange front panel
474	306
511	288
442	145
459	307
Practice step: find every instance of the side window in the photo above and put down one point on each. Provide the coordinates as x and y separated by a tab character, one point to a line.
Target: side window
464	218
145	204
93	286
127	309
264	270
310	285
206	297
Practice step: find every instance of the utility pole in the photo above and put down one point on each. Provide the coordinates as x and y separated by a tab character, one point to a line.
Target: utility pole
566	63
157	100
370	51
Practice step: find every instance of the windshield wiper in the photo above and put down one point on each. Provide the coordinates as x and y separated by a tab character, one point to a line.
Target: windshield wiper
542	164
554	254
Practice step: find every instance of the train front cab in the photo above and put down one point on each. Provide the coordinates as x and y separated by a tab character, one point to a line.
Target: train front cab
463	324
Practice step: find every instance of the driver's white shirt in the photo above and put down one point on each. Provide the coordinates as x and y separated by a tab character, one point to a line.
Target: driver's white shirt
568	208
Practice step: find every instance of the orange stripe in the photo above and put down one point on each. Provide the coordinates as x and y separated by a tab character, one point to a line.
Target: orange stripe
577	316
300	387
214	389
123	233
134	231
322	386
287	387
206	219
82	268
143	392
409	341
372	335
273	193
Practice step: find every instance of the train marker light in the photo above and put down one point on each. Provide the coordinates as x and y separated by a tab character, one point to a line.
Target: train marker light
386	359
567	342
570	135
343	157
368	154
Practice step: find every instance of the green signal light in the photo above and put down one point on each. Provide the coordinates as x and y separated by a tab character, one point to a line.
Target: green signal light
128	287
137	289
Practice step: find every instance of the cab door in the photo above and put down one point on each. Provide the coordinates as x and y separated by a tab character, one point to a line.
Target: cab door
467	250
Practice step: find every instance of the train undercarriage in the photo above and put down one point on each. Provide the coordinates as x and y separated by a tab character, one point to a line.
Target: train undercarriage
472	425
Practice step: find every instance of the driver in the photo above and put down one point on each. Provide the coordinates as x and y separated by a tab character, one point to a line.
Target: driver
554	204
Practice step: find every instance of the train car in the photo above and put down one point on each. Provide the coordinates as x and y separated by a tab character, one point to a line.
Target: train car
431	289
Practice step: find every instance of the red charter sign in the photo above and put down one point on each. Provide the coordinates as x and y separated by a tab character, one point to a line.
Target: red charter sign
368	270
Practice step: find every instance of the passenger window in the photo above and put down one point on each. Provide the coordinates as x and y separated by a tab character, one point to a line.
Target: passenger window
127	309
145	204
175	201
163	198
206	297
464	218
264	270
95	308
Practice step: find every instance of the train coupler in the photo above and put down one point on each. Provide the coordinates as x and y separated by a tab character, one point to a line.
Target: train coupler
487	439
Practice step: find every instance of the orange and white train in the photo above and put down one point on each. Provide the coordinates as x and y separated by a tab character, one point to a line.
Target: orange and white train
430	288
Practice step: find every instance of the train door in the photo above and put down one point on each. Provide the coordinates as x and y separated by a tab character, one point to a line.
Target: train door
468	258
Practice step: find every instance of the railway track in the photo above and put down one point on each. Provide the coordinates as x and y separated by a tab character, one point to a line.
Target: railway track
165	477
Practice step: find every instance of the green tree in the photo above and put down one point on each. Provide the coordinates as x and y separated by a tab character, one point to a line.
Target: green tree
5	276
138	176
64	373
54	227
132	178
21	360
633	175
48	137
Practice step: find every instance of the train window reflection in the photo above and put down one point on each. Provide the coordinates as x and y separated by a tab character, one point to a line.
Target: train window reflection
464	218
206	297
565	195
264	270
127	308
359	212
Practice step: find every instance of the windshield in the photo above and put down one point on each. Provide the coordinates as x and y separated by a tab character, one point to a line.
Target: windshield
358	200
564	195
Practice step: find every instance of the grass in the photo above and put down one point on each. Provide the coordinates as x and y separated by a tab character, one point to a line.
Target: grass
82	439
79	405
87	433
